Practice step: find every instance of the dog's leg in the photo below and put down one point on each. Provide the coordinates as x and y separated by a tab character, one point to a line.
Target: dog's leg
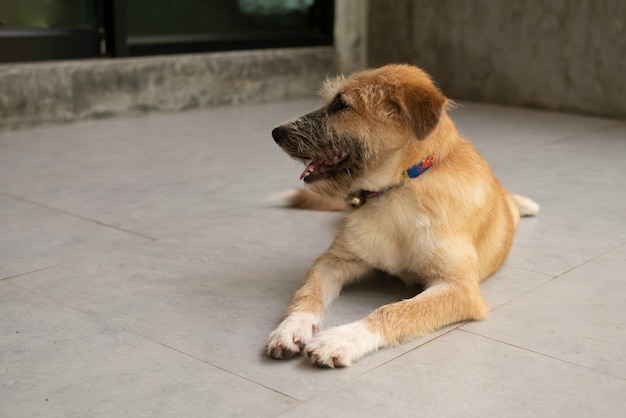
322	284
441	304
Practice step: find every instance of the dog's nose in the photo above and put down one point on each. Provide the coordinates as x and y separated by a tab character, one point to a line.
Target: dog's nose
279	133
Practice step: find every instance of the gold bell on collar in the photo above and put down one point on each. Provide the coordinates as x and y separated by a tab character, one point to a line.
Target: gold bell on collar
355	199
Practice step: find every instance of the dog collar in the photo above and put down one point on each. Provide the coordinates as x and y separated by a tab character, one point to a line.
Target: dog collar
358	198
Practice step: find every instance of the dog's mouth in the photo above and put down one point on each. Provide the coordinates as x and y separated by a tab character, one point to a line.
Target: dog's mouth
324	167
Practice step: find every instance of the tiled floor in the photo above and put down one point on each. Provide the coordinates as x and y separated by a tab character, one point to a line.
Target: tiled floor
142	268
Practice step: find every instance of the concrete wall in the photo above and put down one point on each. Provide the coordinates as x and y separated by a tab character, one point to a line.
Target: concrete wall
33	94
558	54
351	35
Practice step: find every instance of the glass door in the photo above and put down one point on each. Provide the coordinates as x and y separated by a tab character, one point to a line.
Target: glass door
48	29
166	26
65	29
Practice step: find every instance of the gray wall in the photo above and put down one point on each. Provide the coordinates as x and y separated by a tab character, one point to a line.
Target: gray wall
65	91
557	54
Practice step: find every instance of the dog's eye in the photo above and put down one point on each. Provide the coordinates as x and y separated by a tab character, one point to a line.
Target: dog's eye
337	104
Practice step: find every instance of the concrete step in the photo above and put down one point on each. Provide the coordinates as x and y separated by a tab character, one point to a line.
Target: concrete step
66	91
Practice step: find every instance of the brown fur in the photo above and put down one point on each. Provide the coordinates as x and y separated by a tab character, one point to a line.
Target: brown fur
306	199
448	229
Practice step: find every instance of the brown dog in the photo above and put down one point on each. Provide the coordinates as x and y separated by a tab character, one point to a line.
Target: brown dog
426	208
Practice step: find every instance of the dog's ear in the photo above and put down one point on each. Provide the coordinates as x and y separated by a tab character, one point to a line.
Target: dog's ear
420	104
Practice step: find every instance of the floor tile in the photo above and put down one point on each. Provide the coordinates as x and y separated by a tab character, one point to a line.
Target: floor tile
498	130
579	317
577	175
57	362
460	374
155	175
34	237
509	283
217	296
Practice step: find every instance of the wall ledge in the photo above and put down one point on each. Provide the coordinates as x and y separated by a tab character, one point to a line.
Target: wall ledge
32	94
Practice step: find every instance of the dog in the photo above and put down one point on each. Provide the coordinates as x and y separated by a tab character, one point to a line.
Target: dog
421	204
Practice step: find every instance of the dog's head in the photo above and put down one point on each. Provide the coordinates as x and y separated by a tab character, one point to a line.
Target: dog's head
367	121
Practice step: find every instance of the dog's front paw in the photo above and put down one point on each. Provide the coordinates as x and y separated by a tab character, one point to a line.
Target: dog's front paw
343	345
292	335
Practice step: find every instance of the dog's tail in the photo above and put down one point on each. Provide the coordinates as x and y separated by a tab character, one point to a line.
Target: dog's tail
306	199
526	206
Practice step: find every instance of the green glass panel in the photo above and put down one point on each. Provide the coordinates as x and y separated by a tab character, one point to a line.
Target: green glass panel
47	14
193	17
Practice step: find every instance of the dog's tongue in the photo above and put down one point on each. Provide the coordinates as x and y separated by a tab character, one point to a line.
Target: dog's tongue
322	165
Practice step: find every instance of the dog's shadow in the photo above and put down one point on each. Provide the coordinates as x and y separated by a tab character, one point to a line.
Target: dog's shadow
371	292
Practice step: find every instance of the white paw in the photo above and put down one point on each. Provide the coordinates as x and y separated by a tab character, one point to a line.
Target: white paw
343	345
291	335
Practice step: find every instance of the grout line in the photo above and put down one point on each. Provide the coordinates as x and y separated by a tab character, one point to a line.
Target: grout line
615	247
542	354
83	218
35	271
530	270
554	277
572	137
428	341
